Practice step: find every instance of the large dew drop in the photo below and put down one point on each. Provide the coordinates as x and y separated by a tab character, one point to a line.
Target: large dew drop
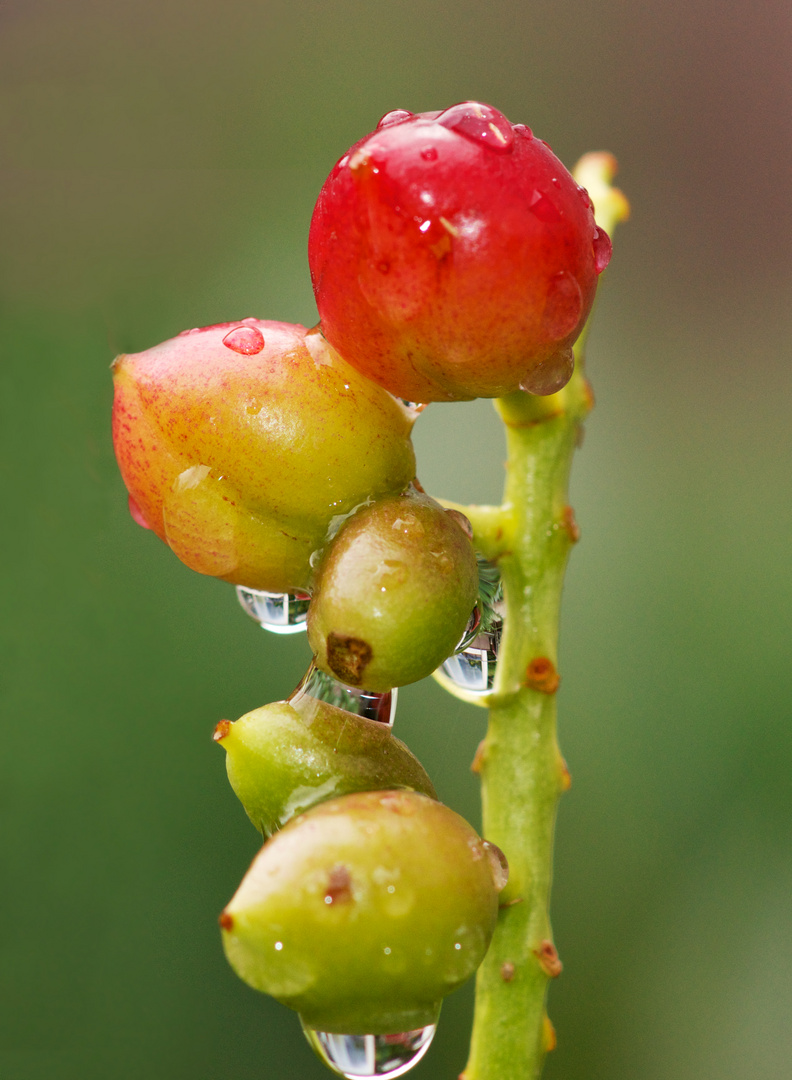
246	340
472	667
281	613
320	686
371	1055
479	123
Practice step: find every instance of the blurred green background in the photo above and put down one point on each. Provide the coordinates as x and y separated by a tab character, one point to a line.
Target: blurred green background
160	160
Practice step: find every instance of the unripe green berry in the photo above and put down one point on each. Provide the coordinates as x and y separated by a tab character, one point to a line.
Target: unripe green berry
363	913
282	762
393	593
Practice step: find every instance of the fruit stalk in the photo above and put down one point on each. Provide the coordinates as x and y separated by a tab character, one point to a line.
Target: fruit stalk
519	762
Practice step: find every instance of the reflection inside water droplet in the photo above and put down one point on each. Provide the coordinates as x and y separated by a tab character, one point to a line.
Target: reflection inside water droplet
472	667
246	340
281	613
551	375
371	1055
479	123
318	685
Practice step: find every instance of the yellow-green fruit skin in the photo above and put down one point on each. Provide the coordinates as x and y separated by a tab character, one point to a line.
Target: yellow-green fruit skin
363	913
240	461
393	593
281	763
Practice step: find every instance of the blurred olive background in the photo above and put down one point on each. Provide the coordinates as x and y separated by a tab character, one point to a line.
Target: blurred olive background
160	161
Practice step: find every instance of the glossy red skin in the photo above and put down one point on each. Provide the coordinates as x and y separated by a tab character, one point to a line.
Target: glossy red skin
240	462
435	316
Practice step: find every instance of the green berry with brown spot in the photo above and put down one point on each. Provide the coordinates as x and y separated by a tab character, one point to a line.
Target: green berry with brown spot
365	912
393	593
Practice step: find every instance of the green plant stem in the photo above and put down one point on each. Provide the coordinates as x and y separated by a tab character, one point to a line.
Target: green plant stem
522	772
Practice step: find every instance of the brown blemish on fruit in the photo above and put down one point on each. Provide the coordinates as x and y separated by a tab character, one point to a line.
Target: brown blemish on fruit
549	960
348	657
479	758
549	1037
571	526
541	675
339	886
226	921
507	970
221	730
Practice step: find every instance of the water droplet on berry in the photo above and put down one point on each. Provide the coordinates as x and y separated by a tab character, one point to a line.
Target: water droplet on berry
320	686
462	521
395	116
551	375
472	667
584	195
544	208
480	123
247	340
429	153
137	513
281	613
499	865
563	307
386	1056
523	129
602	250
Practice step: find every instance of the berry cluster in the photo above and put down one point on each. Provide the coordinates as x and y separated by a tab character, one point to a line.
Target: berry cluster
452	256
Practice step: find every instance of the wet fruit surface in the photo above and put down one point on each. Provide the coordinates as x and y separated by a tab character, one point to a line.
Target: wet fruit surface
282	762
452	254
393	594
240	444
363	913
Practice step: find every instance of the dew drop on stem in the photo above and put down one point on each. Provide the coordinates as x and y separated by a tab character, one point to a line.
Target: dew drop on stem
385	1056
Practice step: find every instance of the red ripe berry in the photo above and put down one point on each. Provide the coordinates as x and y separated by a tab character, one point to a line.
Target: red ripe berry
453	256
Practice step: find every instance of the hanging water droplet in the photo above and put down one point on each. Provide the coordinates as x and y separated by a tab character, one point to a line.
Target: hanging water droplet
281	613
472	667
395	116
386	1056
602	250
320	686
479	123
551	375
563	306
247	340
